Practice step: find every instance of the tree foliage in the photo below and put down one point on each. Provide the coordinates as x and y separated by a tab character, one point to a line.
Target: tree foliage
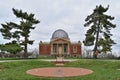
17	31
12	47
99	32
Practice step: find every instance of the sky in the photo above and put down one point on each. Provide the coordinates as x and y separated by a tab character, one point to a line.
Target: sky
68	15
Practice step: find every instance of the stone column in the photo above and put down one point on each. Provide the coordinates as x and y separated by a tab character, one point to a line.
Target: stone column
68	46
57	48
51	48
62	49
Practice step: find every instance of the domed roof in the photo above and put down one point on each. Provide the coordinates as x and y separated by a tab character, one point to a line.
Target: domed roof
60	34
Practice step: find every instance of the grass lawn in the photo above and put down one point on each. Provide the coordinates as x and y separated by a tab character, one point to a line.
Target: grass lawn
103	69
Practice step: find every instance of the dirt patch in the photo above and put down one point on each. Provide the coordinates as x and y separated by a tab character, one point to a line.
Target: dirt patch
59	72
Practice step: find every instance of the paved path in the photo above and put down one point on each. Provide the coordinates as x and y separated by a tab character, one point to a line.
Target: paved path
50	60
10	60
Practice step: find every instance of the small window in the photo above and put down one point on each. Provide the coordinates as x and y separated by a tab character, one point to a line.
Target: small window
74	49
45	47
54	48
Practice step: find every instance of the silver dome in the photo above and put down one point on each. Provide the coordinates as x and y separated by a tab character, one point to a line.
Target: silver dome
60	34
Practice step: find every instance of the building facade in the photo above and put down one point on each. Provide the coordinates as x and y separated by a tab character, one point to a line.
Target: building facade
60	44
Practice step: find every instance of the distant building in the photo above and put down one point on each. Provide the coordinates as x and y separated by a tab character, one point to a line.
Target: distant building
60	44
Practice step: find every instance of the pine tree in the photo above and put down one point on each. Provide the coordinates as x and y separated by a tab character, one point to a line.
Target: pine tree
12	30
99	33
12	47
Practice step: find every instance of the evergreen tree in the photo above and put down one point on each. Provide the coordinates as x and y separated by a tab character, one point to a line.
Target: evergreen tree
2	49
16	31
99	33
11	47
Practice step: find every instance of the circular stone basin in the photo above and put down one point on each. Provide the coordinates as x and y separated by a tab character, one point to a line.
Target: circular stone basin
59	72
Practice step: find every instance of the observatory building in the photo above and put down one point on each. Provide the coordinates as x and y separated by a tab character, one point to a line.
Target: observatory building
60	44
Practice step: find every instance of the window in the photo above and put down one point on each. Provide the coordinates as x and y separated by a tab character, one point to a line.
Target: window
54	48
45	47
74	49
65	48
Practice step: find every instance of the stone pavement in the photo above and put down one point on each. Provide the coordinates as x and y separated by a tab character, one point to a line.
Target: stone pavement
59	72
51	60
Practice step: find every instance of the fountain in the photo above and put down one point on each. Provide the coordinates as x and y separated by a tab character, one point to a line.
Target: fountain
59	61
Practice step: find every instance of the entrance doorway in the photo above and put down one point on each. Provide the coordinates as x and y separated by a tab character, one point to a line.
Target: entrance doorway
60	49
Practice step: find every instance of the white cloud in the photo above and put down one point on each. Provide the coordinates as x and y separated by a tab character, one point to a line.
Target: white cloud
54	14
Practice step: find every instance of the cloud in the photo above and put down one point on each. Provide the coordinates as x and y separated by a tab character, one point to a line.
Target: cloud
59	14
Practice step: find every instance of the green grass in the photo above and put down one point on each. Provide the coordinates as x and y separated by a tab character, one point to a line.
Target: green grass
103	69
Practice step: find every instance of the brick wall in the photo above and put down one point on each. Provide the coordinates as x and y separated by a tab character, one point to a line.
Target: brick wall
44	49
77	47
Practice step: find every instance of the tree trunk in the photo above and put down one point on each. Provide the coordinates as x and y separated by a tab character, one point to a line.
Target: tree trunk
25	50
95	53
